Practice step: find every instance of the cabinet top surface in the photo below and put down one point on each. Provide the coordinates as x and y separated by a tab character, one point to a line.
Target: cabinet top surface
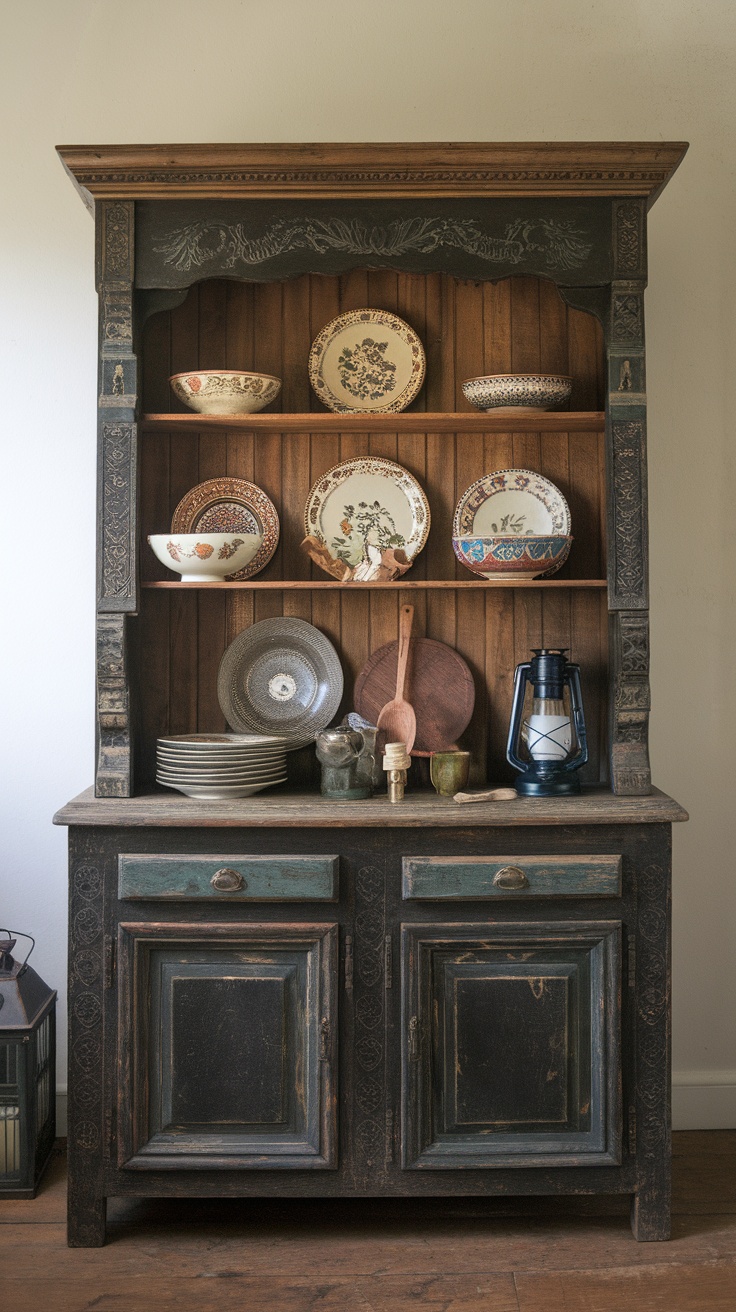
373	169
291	810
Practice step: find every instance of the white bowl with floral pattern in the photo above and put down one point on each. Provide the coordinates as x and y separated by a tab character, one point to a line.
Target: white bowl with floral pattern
205	557
225	391
520	393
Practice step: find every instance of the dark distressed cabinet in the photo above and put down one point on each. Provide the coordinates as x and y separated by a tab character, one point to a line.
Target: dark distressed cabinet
285	995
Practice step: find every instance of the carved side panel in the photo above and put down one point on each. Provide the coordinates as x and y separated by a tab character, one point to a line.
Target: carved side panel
628	565
629	238
627	469
651	1216
630	703
117	588
369	1145
117	458
86	1111
113	776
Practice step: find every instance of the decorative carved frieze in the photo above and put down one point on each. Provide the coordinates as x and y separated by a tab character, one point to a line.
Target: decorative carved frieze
562	246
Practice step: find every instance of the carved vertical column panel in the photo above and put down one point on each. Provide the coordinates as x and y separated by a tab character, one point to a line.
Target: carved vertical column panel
628	546
369	1147
86	981
117	588
113	775
630	703
651	1209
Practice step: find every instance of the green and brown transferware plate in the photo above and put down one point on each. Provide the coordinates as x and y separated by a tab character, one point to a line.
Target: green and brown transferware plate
366	520
367	360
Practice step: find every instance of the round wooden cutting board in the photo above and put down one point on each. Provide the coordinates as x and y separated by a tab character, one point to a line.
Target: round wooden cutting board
439	686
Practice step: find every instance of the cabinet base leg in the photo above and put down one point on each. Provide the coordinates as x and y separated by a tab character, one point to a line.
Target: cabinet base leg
86	1223
650	1217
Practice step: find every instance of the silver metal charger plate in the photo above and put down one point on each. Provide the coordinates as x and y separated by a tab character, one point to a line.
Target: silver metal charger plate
281	676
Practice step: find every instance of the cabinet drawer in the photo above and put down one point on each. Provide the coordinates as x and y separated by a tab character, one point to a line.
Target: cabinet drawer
437	878
228	878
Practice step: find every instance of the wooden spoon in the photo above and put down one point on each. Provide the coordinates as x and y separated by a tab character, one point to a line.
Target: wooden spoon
397	722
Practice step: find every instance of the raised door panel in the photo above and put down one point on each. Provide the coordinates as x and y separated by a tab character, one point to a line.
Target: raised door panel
227	1046
511	1045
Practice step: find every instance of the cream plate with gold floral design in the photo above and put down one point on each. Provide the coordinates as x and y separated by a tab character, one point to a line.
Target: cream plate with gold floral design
367	360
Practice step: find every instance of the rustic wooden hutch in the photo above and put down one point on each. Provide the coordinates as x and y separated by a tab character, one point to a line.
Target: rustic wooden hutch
391	1019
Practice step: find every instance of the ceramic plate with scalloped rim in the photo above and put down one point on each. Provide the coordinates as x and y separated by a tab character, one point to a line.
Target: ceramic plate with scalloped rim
510	502
369	360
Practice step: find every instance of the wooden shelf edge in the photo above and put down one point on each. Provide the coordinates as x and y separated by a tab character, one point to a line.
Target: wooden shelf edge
409	421
309	585
291	808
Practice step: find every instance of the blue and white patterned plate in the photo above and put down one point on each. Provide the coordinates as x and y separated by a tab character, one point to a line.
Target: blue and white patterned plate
511	502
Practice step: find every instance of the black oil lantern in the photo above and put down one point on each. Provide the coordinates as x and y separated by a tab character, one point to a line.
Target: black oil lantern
27	1072
547	739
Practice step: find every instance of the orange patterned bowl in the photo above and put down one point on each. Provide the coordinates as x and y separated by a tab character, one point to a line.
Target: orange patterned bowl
205	557
225	391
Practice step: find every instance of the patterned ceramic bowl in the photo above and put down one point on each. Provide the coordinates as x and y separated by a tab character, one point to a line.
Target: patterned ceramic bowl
519	393
514	557
225	391
205	557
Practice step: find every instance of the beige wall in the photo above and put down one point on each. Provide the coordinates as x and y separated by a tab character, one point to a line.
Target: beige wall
285	70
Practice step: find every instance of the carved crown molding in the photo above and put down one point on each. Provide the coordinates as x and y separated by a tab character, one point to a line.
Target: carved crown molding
372	170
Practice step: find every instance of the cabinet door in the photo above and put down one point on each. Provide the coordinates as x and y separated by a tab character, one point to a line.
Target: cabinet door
510	1045
227	1046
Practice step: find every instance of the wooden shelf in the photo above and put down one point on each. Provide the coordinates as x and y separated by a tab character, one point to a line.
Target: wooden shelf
287	808
409	421
417	585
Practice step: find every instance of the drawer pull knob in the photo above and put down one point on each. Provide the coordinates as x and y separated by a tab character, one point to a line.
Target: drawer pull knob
510	877
227	880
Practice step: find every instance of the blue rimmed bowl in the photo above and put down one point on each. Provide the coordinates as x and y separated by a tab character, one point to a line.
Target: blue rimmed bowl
513	557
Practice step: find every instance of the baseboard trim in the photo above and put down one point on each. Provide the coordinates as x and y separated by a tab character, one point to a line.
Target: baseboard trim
704	1100
701	1100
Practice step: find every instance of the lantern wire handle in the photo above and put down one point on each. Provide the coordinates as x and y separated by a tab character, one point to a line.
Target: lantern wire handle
18	933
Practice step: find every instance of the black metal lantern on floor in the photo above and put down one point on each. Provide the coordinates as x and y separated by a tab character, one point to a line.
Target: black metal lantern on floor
27	1072
547	739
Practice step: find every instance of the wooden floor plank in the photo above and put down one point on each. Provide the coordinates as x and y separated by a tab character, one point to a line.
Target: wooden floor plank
701	1288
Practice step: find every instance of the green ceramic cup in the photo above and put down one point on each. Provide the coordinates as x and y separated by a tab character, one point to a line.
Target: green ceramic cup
449	772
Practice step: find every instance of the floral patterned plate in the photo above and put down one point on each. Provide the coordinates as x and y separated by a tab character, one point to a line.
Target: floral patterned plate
510	502
368	519
230	505
367	360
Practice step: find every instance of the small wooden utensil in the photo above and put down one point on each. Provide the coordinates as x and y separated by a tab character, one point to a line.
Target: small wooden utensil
397	721
490	795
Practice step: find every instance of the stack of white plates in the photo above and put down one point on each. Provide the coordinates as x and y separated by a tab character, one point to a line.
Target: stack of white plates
220	765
